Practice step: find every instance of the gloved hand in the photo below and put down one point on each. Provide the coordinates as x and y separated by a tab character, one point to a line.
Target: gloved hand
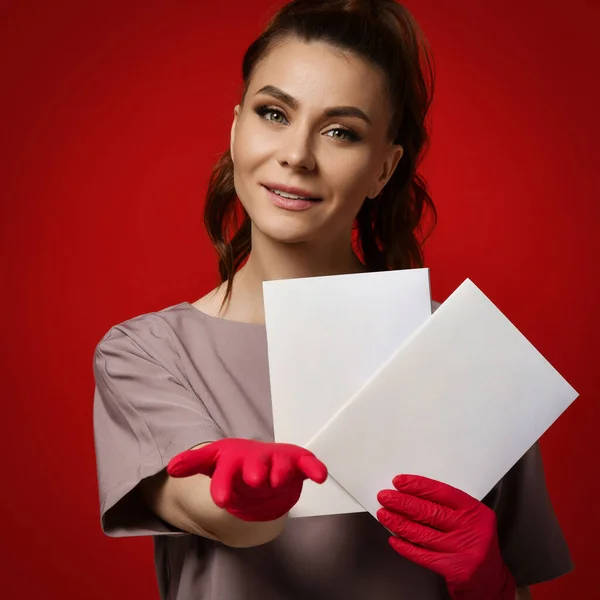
254	481
445	530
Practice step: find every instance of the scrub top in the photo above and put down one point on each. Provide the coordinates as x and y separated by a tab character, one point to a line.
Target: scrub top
169	380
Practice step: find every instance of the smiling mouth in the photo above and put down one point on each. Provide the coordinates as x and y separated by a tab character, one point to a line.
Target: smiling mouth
289	196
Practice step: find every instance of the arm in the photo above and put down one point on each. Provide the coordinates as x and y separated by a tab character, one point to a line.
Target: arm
523	594
186	503
231	490
240	492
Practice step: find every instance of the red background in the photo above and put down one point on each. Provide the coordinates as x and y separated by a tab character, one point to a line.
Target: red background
112	114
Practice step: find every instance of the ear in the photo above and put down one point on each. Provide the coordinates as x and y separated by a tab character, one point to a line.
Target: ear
236	116
393	156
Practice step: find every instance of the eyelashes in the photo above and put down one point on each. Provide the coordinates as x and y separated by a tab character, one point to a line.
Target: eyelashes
268	112
264	111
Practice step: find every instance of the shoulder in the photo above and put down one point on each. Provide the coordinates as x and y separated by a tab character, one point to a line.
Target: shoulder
145	327
159	336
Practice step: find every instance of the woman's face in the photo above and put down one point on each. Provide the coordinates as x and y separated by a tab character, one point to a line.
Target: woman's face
313	124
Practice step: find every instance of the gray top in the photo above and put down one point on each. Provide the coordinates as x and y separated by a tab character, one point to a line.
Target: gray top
169	380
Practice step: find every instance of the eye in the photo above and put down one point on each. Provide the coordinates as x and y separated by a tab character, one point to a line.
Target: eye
268	113
344	135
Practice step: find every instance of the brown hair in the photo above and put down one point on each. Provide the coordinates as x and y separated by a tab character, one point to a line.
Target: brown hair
389	227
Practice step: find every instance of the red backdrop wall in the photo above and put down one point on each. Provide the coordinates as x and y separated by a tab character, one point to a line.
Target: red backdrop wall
112	114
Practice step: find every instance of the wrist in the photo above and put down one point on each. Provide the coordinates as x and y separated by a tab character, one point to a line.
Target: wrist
509	590
502	588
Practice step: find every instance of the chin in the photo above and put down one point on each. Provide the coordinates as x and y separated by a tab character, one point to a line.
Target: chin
286	227
285	233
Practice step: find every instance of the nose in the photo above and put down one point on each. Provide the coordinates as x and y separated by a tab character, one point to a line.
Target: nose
296	151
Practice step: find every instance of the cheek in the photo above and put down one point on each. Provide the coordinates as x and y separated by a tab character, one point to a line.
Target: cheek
353	175
251	147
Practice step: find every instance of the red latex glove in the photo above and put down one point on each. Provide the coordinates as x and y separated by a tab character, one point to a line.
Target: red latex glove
449	532
254	481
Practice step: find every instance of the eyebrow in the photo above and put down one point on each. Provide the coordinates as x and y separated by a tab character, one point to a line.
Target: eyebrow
334	111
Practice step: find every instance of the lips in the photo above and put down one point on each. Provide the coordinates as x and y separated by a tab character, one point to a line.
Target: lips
290	203
291	193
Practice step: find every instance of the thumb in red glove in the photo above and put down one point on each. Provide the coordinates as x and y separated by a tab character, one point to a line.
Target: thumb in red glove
446	530
254	481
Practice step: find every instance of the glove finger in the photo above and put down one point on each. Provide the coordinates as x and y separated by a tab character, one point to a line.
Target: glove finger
421	556
194	462
256	469
310	466
411	531
436	491
222	482
282	470
422	511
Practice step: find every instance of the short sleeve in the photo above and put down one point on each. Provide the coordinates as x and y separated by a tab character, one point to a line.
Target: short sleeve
144	414
531	540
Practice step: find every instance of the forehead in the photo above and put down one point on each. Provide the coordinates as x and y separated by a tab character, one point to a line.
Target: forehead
318	74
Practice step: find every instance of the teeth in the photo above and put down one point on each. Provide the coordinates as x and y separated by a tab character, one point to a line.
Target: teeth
290	196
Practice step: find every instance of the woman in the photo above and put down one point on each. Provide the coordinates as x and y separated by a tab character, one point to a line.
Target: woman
325	143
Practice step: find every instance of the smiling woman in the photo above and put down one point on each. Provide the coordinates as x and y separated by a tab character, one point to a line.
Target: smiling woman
345	102
303	128
321	178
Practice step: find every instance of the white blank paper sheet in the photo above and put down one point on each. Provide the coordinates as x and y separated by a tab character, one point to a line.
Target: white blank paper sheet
460	402
326	337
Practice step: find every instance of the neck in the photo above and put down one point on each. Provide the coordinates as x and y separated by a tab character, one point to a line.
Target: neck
271	260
